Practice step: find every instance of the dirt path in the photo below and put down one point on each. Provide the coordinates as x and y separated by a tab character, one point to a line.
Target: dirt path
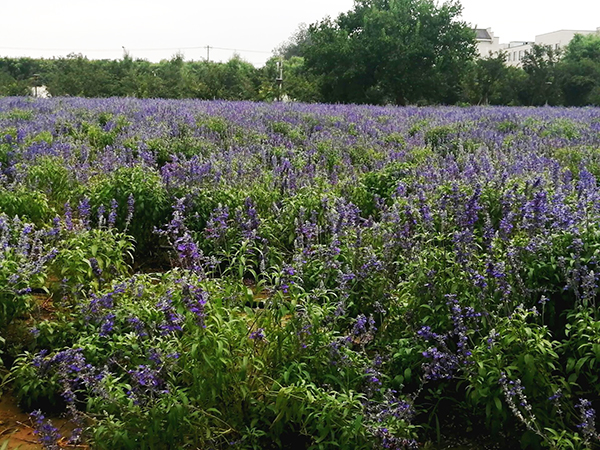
15	426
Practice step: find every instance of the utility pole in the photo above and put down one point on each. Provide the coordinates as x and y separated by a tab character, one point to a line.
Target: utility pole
279	78
36	82
208	53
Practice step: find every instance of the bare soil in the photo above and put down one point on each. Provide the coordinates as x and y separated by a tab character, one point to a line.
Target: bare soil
16	427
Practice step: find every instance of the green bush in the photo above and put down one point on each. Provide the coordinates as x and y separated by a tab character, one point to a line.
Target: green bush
50	176
27	204
91	259
151	207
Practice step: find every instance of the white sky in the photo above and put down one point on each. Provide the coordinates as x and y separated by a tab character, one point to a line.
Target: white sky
101	29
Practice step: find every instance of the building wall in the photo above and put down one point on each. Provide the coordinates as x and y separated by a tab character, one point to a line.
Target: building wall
516	50
559	39
485	47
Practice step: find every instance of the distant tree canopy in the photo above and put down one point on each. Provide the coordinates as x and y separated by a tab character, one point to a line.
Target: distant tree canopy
75	75
296	44
380	52
581	71
542	85
491	82
391	51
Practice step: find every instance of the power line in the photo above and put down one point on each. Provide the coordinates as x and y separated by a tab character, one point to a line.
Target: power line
133	49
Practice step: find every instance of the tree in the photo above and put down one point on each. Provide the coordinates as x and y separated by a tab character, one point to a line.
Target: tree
391	51
295	45
542	83
239	79
17	75
298	84
487	81
580	70
76	75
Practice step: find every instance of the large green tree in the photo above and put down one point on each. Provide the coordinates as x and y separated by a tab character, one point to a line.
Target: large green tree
541	85
581	71
391	51
490	81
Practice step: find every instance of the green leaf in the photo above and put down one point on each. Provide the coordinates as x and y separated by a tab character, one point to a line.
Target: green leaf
498	403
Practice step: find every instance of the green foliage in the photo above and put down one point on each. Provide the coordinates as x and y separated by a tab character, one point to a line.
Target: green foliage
519	349
299	84
491	81
92	259
32	390
29	204
16	75
582	349
145	185
581	71
380	52
50	176
224	384
401	51
445	139
541	64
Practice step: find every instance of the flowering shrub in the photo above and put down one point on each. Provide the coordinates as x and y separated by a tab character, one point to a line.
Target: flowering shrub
23	260
310	276
137	189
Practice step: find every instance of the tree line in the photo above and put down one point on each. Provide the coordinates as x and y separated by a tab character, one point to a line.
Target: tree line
380	52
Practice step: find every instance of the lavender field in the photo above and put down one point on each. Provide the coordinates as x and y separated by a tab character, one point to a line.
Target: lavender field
210	275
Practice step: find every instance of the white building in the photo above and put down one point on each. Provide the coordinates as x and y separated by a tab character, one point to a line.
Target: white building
40	92
515	51
487	43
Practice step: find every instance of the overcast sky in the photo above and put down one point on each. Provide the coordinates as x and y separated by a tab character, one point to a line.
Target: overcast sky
155	29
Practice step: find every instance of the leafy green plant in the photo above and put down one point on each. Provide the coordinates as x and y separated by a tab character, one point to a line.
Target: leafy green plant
22	264
582	349
28	204
50	176
92	259
517	348
150	210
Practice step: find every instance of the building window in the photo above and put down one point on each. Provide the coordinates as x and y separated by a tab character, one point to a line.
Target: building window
520	55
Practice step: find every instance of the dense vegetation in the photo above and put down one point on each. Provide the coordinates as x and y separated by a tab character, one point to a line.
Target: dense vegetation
381	52
188	274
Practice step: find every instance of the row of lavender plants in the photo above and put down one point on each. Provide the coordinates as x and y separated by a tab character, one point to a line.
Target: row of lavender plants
187	274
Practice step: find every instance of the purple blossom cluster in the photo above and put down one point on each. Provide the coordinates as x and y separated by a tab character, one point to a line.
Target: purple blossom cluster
514	394
442	361
74	373
588	421
376	215
188	253
47	434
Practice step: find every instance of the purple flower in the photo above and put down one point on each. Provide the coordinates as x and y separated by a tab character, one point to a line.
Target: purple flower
112	216
46	433
258	335
217	224
68	217
96	270
85	211
108	324
147	382
588	421
195	299
130	210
